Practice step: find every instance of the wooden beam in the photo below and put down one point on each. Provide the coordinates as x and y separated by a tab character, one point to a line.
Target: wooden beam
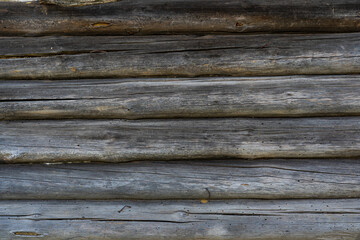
236	219
187	56
222	179
124	140
290	96
183	16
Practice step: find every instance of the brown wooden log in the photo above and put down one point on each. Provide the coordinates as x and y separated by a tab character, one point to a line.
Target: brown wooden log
180	220
187	56
217	179
124	140
183	16
290	96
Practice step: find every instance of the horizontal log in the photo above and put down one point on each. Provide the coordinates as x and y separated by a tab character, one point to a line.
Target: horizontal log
292	96
222	179
188	56
180	220
125	140
182	16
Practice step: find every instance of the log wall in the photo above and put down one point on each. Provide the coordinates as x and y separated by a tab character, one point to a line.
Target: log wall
180	120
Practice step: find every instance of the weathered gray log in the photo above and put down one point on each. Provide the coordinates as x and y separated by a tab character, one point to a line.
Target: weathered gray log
167	98
180	16
188	56
236	219
222	179
124	140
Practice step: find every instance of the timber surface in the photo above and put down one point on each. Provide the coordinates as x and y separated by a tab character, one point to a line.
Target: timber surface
289	96
187	56
128	17
202	135
126	140
236	219
217	179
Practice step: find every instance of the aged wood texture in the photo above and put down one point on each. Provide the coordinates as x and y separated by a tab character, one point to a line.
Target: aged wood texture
292	96
188	56
125	140
236	219
180	16
221	179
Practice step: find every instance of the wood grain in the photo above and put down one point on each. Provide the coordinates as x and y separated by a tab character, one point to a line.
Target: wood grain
187	56
125	140
290	96
236	219
129	17
217	179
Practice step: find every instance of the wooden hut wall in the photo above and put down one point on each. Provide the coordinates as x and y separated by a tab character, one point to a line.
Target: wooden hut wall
179	119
